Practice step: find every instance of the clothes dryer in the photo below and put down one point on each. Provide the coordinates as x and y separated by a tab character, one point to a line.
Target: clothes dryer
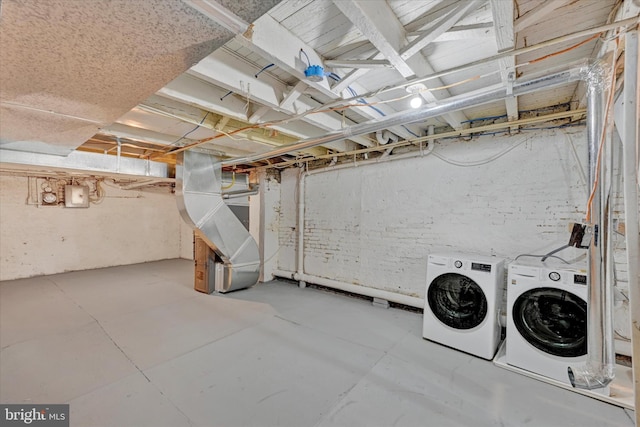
463	301
546	318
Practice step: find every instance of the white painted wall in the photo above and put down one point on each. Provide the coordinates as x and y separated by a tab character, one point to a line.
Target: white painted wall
186	241
374	225
127	227
265	210
287	217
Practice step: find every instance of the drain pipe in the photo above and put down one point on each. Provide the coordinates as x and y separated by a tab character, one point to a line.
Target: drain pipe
300	253
599	369
386	137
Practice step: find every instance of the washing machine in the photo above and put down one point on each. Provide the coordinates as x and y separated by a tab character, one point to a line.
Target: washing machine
546	318
463	299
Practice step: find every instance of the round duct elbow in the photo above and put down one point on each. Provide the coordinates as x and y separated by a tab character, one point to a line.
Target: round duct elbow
385	137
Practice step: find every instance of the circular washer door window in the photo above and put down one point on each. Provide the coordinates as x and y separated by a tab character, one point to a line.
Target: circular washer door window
457	301
552	320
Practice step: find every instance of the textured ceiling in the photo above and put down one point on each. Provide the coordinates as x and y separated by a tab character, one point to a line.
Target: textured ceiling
69	67
161	76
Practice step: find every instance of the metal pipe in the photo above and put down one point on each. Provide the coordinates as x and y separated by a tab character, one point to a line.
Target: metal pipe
599	369
430	110
357	63
356	289
252	191
432	137
506	54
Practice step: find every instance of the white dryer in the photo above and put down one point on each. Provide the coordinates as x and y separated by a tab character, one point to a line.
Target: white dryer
546	318
462	302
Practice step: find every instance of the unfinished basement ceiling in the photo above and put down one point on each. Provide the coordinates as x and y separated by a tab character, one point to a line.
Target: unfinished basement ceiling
159	75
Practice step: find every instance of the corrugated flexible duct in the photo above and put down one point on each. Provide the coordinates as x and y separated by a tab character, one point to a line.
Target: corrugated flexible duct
200	200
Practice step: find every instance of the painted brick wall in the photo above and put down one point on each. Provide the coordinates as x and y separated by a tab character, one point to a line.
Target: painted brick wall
374	225
287	217
127	227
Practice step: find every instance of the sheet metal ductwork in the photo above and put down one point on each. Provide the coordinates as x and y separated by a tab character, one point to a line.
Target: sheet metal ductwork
201	204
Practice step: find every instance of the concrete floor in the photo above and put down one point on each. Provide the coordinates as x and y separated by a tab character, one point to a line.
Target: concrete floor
135	346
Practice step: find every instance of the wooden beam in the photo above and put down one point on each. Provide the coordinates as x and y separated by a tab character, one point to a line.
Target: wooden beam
502	11
537	13
379	24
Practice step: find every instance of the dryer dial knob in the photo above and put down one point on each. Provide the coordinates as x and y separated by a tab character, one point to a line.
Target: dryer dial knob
554	275
458	264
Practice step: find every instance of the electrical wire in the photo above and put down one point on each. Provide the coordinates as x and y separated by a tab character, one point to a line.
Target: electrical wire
340	104
560	52
263	68
306	56
479	162
233	181
550	254
191	131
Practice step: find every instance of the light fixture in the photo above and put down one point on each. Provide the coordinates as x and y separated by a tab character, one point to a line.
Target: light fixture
314	73
416	101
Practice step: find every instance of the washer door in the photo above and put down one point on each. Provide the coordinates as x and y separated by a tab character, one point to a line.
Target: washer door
457	301
552	320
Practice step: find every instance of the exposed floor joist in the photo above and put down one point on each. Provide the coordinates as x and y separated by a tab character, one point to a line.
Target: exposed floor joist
380	25
229	72
502	12
276	44
536	14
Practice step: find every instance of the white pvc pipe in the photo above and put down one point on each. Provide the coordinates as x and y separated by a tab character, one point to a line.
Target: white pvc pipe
300	262
348	287
302	277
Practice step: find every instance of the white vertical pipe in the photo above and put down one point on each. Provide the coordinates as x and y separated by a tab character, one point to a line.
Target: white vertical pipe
631	202
300	263
118	154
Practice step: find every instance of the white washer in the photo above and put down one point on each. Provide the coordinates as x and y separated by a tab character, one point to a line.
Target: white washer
462	302
546	318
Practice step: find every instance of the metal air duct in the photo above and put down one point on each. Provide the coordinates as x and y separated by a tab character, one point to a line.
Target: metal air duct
428	111
201	204
599	369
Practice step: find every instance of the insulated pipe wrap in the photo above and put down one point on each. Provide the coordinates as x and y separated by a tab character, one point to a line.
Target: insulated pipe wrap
200	201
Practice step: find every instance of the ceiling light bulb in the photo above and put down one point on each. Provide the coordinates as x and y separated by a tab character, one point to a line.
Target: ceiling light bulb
416	101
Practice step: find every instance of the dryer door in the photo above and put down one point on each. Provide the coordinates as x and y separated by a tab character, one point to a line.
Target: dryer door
457	301
552	320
